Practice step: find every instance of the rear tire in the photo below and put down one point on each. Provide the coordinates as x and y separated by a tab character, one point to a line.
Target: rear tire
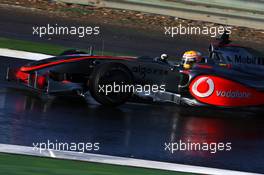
110	74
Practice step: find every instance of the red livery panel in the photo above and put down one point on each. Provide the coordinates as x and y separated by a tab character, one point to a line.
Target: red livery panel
223	92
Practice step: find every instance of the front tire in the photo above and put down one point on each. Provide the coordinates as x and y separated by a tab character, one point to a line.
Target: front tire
110	75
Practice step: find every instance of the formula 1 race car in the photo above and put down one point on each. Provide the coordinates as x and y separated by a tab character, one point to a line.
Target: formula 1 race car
231	76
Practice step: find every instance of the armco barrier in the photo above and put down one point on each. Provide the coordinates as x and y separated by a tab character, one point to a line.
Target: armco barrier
244	13
256	6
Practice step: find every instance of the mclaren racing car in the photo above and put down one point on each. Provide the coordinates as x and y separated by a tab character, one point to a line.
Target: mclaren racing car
231	76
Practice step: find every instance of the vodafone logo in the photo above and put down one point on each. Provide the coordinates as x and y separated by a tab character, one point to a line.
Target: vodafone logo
218	91
203	87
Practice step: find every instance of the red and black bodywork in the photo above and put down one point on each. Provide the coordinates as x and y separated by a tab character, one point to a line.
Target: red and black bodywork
231	76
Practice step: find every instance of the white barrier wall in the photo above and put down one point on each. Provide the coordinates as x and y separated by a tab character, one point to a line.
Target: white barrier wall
243	13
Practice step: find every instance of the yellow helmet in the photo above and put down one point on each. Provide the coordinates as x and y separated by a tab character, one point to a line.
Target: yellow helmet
191	57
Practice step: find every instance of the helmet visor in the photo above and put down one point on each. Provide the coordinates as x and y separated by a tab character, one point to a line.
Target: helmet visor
188	60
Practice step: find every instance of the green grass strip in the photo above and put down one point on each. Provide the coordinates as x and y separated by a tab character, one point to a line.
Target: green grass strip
11	164
31	46
44	48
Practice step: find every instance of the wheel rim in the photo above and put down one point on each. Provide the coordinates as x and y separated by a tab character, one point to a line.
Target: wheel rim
115	77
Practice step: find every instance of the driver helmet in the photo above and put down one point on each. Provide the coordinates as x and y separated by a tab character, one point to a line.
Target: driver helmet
191	57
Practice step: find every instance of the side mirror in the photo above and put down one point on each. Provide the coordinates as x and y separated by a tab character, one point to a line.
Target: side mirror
164	57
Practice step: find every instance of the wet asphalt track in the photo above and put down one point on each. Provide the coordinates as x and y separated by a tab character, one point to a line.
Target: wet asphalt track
132	130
